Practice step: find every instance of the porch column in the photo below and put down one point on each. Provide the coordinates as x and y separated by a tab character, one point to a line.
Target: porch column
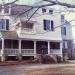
2	51
61	49
48	47
20	46
35	48
20	56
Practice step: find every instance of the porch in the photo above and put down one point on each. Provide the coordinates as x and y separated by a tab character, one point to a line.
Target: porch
15	47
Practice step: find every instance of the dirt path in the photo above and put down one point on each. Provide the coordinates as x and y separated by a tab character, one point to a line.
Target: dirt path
38	69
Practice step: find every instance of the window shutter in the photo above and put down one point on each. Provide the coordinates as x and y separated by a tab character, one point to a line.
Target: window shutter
7	24
44	24
52	25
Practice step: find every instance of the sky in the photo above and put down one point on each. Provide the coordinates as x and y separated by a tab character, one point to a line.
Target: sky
68	16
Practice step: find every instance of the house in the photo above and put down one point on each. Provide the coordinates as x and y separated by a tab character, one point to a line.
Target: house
28	37
66	31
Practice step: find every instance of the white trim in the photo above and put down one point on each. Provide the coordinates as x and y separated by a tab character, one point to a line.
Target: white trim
20	46
48	47
35	47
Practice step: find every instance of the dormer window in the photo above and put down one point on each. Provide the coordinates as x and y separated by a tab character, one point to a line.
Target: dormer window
26	25
50	11
43	10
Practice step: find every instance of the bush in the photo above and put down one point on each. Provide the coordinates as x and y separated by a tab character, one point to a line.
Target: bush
59	58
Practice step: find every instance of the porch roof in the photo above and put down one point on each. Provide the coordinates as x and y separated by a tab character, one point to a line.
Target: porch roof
8	34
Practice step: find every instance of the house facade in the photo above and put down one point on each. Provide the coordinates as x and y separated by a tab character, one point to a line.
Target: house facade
66	31
27	35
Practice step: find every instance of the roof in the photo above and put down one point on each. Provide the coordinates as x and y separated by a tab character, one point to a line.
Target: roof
8	34
17	9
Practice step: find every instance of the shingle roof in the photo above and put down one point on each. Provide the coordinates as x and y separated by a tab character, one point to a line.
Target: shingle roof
9	35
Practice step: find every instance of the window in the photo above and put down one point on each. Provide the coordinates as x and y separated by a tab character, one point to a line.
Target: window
62	18
64	30
65	45
1	8
50	11
6	9
54	45
27	25
43	10
48	25
4	24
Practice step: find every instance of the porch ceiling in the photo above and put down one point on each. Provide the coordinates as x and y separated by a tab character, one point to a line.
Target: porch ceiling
8	34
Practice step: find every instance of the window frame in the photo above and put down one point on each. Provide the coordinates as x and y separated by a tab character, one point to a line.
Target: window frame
4	23
50	11
43	10
48	23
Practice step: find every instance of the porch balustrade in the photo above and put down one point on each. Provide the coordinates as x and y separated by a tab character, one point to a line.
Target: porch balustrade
12	52
27	51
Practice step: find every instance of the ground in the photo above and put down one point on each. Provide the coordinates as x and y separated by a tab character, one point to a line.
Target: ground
38	69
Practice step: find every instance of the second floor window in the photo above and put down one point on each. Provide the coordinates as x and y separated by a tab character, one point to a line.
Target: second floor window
43	10
48	25
6	9
50	11
4	24
63	30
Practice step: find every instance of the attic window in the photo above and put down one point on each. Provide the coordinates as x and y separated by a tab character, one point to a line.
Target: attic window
27	25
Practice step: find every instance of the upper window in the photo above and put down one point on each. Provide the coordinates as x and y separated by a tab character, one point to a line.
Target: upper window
48	25
1	8
4	24
6	9
54	45
63	30
50	11
62	18
43	10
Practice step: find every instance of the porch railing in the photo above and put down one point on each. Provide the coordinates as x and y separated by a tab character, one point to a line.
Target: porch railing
27	51
16	51
11	51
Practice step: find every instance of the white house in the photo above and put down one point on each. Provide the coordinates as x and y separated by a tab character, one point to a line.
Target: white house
41	34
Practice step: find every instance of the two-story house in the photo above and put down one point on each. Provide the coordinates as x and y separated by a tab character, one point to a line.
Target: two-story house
40	34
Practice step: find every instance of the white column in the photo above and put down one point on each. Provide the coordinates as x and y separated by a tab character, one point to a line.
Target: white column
48	47
61	49
2	45
20	46
2	51
19	56
35	48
